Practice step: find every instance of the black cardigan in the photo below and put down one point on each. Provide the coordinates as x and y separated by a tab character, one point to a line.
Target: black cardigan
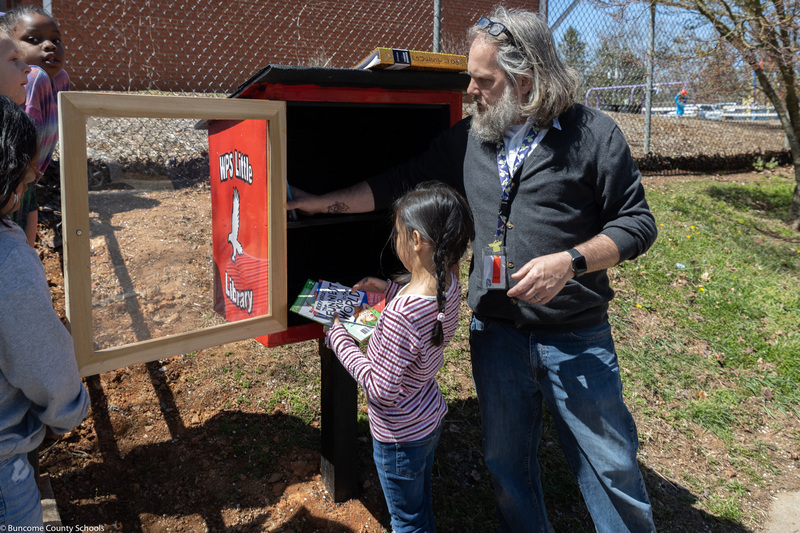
579	182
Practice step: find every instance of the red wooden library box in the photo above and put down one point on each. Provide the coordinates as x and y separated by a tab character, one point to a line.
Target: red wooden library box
342	125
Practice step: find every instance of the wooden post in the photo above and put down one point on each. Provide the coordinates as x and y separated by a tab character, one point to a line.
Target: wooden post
339	429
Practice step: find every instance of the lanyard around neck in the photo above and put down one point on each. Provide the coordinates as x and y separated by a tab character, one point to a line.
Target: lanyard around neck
509	182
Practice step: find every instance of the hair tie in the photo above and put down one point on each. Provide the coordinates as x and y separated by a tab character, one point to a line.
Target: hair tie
440	317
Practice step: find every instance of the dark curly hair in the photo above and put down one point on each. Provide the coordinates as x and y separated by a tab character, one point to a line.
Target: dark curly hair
443	218
14	15
17	149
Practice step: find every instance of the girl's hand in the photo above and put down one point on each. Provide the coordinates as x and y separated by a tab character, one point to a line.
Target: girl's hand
336	322
371	285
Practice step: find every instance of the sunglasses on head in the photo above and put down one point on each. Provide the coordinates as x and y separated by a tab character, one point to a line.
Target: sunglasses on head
495	29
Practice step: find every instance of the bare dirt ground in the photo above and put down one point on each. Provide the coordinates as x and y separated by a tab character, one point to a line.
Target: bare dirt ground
168	446
227	439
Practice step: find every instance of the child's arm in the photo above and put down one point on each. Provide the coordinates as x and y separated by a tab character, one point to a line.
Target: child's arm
40	105
38	354
382	371
37	91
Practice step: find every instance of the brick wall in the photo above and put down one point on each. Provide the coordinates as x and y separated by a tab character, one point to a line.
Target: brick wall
213	46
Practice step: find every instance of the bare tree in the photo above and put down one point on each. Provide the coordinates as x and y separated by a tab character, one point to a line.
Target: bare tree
766	33
725	78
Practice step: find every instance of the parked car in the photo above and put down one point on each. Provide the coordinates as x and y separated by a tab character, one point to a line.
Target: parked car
709	111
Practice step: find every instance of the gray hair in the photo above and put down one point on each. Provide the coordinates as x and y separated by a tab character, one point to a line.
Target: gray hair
532	54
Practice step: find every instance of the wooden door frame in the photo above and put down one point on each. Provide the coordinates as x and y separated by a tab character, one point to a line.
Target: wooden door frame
74	108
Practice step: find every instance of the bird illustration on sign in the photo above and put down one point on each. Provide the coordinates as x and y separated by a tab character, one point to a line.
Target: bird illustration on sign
233	236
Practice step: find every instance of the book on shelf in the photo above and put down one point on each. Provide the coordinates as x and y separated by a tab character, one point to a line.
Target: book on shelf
398	59
358	310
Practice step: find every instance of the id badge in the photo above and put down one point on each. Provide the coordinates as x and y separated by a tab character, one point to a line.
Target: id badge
494	267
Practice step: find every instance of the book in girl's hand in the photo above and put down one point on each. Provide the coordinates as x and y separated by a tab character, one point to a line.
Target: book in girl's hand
335	298
358	310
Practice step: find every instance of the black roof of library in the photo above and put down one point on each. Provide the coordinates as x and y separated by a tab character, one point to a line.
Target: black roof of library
341	77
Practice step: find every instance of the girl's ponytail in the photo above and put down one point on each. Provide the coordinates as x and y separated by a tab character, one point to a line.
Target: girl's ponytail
441	293
443	218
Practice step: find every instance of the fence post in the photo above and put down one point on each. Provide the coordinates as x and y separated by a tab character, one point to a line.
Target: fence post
651	52
564	15
437	25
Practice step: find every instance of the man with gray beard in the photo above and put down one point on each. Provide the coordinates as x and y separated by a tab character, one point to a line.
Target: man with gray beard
490	124
557	200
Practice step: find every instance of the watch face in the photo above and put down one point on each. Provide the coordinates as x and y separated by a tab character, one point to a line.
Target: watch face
578	262
579	265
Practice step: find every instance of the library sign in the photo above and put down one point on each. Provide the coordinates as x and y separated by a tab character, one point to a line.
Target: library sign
238	158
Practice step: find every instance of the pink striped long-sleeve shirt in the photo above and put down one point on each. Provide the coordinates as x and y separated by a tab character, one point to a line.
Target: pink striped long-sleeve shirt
398	371
41	104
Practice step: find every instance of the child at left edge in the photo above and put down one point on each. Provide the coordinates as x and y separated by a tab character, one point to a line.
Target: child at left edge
433	226
13	70
41	47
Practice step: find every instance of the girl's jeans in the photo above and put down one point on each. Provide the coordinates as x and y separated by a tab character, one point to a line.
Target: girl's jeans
577	376
20	503
404	469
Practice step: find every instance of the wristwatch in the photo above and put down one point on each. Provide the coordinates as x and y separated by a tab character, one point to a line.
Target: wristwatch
578	262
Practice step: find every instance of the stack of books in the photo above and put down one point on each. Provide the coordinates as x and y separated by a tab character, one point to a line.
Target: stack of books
358	310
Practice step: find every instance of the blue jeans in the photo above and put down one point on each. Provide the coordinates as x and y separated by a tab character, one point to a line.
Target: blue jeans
20	502
577	376
404	469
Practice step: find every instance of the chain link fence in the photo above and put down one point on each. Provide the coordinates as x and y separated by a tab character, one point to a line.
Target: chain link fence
211	48
705	112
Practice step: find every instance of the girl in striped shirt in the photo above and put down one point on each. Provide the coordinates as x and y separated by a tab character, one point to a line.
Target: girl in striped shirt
432	229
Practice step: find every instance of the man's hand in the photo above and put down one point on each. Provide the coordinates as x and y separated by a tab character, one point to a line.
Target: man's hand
306	203
542	278
312	204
